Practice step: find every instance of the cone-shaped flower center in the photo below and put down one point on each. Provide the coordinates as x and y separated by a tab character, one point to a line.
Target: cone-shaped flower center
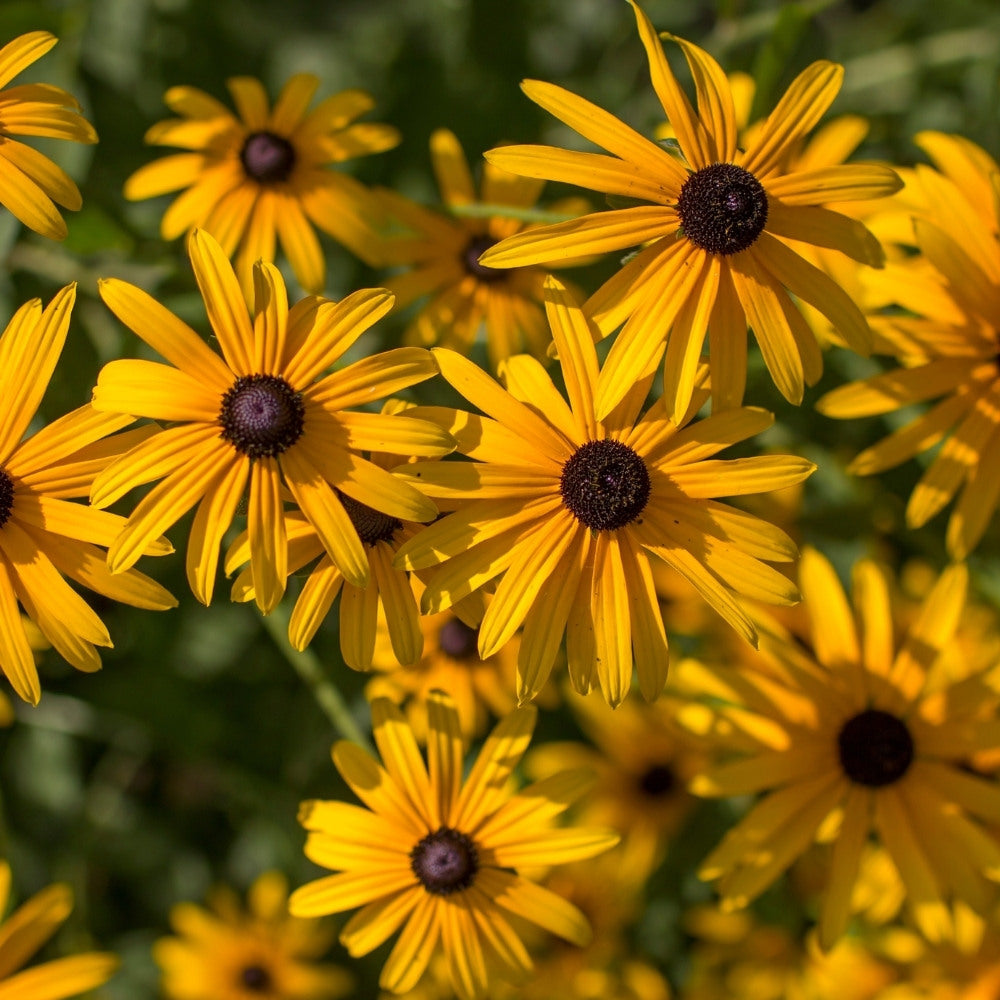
875	747
6	497
256	979
605	485
445	861
262	415
657	780
371	525
723	208
267	158
458	641
474	249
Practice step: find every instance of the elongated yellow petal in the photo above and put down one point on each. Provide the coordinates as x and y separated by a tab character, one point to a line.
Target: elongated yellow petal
22	51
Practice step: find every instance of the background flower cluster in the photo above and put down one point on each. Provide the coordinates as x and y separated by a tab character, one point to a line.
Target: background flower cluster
760	853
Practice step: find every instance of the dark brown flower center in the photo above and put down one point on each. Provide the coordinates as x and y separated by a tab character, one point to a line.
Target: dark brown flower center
723	208
262	415
458	641
371	525
876	748
256	979
605	485
657	780
6	497
474	249
267	158
445	861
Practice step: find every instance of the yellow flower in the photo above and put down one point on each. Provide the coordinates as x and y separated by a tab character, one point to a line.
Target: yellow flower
43	537
262	175
946	342
860	731
712	225
259	416
553	493
443	253
31	184
441	855
227	952
26	930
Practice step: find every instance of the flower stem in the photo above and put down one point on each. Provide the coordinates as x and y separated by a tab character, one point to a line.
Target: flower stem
307	666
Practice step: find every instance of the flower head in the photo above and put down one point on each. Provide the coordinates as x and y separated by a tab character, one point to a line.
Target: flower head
31	185
861	731
712	225
554	493
228	952
26	930
440	855
262	174
443	253
43	536
259	418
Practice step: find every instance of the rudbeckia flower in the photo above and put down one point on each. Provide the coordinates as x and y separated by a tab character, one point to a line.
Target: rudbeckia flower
443	254
946	342
230	952
31	185
859	732
44	537
263	174
555	493
712	223
26	930
259	418
441	855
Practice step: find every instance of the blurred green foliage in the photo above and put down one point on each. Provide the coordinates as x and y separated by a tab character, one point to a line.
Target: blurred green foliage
183	761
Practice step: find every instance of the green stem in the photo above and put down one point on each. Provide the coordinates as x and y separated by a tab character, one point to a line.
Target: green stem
308	667
481	210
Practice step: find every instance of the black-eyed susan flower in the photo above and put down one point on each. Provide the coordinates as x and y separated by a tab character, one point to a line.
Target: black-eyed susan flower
946	342
442	253
31	185
45	538
262	175
441	855
259	419
554	493
226	951
859	732
712	225
26	930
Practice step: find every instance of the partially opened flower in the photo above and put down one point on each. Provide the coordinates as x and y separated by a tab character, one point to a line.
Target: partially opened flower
262	175
43	536
443	256
712	227
860	732
26	930
31	185
947	344
555	494
230	952
441	855
261	418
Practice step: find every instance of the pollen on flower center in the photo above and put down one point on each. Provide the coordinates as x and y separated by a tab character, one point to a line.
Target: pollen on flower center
256	979
457	640
723	208
474	249
445	861
6	497
657	780
876	748
261	415
267	158
371	525
605	485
